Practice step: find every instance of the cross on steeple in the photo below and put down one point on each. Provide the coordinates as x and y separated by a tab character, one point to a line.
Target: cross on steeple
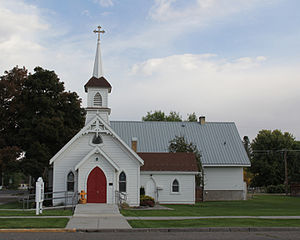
99	31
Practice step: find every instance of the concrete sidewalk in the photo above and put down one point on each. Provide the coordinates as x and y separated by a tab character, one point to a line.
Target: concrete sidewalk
97	216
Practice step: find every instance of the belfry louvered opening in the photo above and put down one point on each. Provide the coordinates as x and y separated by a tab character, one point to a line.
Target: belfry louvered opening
97	99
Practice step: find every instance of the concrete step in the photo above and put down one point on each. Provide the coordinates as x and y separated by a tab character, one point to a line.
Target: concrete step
97	216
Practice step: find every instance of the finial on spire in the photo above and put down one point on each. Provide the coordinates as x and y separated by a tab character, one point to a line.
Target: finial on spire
97	72
99	31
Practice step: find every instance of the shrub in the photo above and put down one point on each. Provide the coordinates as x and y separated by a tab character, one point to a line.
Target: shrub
276	188
124	205
147	201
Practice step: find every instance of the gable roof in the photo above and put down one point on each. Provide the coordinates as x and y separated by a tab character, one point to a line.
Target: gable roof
85	129
100	82
218	142
185	162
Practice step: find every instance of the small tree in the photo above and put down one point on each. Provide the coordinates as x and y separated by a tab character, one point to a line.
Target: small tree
179	144
192	117
156	116
173	116
246	143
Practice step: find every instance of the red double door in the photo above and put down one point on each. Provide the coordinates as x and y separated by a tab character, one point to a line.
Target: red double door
96	186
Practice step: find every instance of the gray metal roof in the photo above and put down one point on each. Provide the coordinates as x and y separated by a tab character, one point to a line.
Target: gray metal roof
218	142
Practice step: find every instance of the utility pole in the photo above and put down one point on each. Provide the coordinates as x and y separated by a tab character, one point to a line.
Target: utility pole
285	172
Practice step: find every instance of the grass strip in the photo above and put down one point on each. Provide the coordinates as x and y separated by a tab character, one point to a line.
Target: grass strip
11	205
218	222
259	205
55	212
33	223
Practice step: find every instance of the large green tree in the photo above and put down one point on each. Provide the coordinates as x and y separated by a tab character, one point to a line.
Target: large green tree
267	162
38	116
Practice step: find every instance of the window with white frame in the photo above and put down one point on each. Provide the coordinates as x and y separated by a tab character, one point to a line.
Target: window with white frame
175	186
122	182
97	99
70	182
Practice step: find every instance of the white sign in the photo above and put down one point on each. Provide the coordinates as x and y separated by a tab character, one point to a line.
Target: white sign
39	195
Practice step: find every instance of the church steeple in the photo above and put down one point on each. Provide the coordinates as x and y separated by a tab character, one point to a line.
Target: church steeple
97	88
97	72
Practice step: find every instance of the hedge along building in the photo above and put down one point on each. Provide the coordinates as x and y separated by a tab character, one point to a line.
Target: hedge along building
99	161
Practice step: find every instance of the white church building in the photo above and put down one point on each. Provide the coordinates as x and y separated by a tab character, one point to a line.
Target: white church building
106	158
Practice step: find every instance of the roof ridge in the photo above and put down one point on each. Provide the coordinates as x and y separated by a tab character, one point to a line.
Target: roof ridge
137	121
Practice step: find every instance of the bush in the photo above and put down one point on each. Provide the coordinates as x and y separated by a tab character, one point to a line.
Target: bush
147	201
276	188
124	205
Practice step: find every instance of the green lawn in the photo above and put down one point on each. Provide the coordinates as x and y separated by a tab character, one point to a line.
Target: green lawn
259	205
227	222
12	205
5	211
56	212
33	222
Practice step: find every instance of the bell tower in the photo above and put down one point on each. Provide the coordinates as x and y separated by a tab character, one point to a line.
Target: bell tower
97	88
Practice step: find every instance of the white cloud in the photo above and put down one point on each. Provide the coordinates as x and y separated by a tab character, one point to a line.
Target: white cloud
246	90
193	62
20	26
26	40
198	11
105	3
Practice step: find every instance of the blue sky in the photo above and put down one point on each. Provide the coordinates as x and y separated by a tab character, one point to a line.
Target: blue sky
230	60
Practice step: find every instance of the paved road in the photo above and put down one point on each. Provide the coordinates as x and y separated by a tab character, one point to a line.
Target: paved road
154	235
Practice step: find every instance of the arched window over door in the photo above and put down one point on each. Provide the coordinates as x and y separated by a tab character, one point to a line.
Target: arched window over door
122	182
97	99
175	186
70	182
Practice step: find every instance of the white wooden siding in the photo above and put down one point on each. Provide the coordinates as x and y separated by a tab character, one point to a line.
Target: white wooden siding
128	164
92	113
115	151
223	178
164	182
92	92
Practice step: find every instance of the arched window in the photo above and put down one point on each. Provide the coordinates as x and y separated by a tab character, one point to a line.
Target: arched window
70	182
122	182
175	186
97	139
97	99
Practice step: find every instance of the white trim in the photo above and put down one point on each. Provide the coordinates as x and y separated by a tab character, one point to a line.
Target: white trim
71	170
97	150
168	173
81	132
118	178
172	192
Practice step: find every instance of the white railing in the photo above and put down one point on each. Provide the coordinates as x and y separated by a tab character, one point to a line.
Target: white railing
121	197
